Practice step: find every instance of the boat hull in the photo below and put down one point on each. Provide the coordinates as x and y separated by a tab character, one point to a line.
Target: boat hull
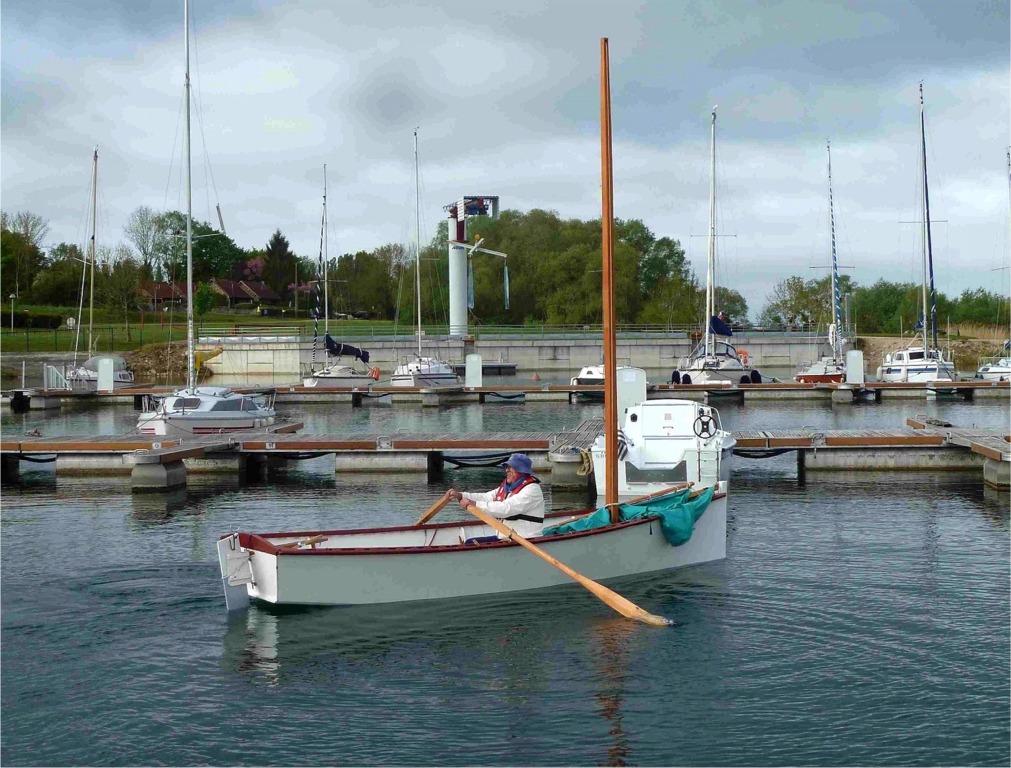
917	374
425	372
819	378
409	568
425	380
160	424
337	382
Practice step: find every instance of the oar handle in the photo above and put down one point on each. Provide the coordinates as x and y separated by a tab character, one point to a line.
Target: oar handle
434	509
621	604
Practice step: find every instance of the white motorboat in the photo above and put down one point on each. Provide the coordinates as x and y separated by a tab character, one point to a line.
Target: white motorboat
994	369
916	364
589	375
715	360
665	442
85	376
421	370
680	526
921	361
206	411
592	376
831	368
200	410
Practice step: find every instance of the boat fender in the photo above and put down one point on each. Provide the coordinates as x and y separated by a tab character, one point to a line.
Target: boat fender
686	379
756	377
586	463
374	373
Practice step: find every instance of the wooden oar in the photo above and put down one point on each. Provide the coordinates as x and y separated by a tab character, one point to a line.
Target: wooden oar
622	605
434	509
312	541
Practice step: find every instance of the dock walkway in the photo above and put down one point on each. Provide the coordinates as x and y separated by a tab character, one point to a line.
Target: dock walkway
155	464
38	399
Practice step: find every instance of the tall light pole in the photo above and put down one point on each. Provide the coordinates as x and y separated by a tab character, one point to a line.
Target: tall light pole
11	297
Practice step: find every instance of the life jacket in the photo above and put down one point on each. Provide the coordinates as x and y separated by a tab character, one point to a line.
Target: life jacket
501	493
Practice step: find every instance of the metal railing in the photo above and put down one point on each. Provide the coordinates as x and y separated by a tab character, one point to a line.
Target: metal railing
116	338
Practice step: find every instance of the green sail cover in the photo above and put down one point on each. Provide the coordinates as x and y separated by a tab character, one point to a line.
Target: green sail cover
676	512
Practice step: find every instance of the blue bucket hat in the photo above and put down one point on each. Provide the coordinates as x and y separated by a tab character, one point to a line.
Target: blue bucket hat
520	462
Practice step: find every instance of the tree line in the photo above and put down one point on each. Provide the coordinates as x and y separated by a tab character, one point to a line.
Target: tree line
884	307
553	266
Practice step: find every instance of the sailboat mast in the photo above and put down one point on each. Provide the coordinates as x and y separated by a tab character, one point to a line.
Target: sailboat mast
91	291
711	263
326	259
417	239
326	264
836	296
929	264
607	281
190	374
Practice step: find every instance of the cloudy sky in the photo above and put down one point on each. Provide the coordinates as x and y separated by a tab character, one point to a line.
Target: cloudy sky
505	96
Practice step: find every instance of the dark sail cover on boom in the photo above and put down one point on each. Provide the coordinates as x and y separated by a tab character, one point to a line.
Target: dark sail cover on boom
718	326
335	349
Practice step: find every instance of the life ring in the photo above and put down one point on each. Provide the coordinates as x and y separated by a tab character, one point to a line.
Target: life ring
374	373
743	354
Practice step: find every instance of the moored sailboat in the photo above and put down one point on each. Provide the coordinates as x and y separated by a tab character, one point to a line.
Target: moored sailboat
921	361
427	561
335	372
830	369
998	367
193	409
86	376
421	370
715	359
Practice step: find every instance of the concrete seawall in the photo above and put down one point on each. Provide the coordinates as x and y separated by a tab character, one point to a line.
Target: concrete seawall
288	354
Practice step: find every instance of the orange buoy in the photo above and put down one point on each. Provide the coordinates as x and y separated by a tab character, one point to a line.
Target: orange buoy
374	373
535	377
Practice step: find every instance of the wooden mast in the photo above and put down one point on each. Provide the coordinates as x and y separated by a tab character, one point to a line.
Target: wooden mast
607	280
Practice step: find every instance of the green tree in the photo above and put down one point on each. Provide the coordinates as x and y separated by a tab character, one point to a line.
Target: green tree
203	299
59	284
279	265
878	309
796	301
981	306
116	282
214	253
146	232
21	256
732	304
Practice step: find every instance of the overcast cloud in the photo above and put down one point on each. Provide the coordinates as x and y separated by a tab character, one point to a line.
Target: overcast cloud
506	100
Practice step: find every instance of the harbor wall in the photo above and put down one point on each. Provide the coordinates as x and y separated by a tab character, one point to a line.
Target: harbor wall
289	355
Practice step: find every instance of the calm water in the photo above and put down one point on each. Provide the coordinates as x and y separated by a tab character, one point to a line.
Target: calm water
859	619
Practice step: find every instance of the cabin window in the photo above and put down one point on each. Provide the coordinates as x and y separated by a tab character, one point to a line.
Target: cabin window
186	403
915	355
227	405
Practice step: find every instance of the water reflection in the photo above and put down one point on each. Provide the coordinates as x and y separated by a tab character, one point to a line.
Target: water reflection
497	642
996	505
613	641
